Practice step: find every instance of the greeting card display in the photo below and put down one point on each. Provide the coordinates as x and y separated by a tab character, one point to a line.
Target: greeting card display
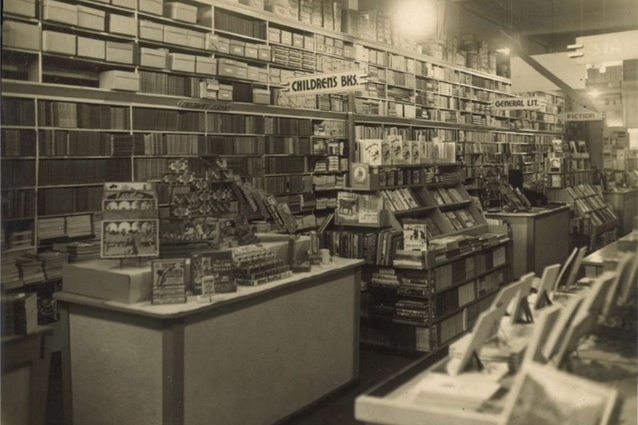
130	224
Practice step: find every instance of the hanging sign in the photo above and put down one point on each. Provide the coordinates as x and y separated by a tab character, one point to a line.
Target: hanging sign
516	103
582	116
606	47
334	82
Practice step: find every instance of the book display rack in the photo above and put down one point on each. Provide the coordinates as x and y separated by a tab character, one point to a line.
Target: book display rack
594	222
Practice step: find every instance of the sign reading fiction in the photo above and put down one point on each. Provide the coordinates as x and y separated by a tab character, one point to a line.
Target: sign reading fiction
334	82
515	103
582	116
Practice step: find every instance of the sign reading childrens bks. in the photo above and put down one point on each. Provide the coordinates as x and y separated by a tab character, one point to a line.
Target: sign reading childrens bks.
519	103
333	82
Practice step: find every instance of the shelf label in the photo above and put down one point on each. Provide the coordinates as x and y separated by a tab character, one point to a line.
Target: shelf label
517	103
582	116
333	82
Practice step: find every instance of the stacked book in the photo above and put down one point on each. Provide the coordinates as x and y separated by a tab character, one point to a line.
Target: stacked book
9	272
415	312
19	313
79	225
31	269
82	251
52	263
385	278
51	228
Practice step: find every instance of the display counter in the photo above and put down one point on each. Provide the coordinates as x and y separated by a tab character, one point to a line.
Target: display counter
624	202
595	262
541	238
251	357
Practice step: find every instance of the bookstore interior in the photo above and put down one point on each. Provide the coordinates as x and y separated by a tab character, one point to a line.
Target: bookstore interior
306	212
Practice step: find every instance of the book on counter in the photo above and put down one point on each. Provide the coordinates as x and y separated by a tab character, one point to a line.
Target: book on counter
169	285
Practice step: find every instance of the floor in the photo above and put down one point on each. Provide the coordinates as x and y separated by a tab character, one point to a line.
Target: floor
375	366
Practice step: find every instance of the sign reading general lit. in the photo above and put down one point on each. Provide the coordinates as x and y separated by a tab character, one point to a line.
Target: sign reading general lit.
334	82
514	103
582	116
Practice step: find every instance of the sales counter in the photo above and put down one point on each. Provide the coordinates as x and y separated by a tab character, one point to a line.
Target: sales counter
624	203
251	357
541	238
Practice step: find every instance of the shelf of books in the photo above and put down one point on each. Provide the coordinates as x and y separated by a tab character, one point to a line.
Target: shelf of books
594	220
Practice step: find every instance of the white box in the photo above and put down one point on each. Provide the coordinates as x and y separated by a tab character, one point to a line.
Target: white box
175	35
126	4
91	48
91	18
104	279
196	40
151	31
58	42
20	35
119	52
120	24
153	58
154	7
180	12
60	12
20	7
120	80
181	62
204	65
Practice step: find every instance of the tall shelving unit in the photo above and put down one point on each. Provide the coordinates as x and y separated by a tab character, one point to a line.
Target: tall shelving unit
242	56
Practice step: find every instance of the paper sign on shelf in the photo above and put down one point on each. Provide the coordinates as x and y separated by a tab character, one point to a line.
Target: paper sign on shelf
516	103
333	82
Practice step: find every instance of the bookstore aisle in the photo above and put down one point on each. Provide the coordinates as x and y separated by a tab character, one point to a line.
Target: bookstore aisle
318	211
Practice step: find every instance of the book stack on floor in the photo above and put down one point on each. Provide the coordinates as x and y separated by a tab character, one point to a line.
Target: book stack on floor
9	272
19	313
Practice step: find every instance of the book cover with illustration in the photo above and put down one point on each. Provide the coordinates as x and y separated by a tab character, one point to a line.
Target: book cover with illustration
415	235
347	208
369	208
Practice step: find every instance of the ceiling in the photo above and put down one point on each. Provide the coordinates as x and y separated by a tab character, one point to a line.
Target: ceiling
555	23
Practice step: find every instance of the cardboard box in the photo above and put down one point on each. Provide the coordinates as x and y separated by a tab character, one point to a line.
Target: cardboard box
274	35
91	18
91	48
261	96
181	62
153	58
175	35
330	50
120	24
58	42
265	53
263	76
204	65
20	35
60	12
20	7
126	4
119	52
309	42
298	41
181	12
196	40
120	80
104	279
286	38
151	31
241	72
226	67
237	48
154	7
251	51
225	92
253	73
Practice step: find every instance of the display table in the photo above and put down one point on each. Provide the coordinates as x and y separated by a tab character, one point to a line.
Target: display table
624	202
25	376
594	263
541	238
251	357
